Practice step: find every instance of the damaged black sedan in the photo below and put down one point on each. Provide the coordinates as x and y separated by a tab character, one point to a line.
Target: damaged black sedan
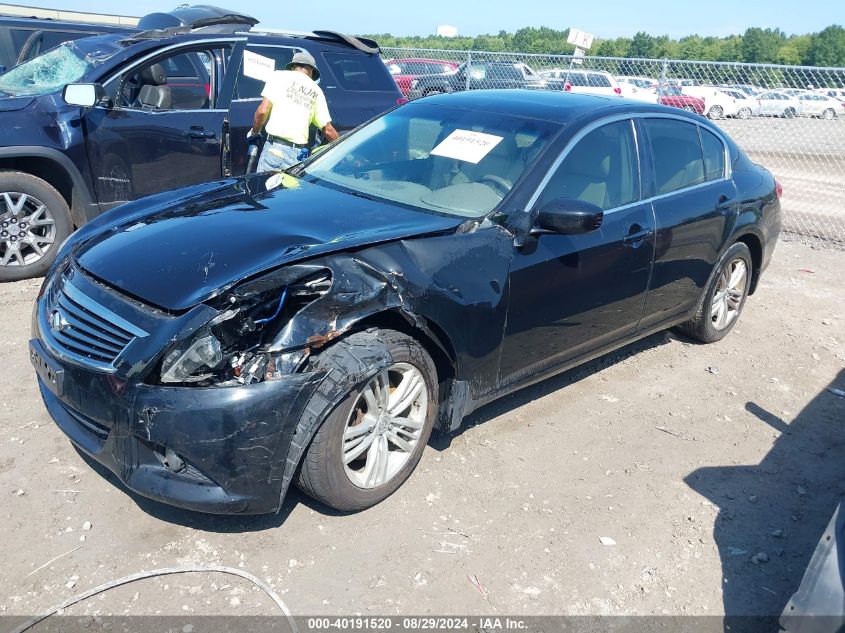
214	344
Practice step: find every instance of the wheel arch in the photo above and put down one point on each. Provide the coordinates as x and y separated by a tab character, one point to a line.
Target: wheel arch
58	171
755	245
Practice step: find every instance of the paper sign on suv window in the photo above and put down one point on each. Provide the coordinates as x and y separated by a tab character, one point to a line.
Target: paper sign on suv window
466	145
257	66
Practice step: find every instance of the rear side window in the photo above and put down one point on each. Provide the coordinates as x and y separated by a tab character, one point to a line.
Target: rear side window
598	81
676	153
714	155
359	72
577	79
601	169
249	88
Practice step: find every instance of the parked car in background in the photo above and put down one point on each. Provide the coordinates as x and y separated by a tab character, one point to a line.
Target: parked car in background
836	93
748	89
821	106
404	71
717	104
479	75
646	83
149	113
793	92
24	38
330	335
775	103
672	96
578	81
746	106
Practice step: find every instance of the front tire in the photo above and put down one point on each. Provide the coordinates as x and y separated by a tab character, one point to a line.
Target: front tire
34	221
829	114
372	441
744	113
789	113
716	112
723	298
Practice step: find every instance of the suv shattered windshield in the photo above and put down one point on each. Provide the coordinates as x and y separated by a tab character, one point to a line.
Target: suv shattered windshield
435	158
53	70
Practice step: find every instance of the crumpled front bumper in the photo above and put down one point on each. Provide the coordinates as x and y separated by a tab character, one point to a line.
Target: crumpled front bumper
216	449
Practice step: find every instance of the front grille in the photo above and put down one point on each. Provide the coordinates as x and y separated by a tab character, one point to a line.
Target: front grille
82	330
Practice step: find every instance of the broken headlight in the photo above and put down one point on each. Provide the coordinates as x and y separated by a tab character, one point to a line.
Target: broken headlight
234	347
184	365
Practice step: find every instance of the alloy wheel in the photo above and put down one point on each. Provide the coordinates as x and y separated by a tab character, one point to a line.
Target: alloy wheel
729	294
715	112
828	114
27	229
384	425
744	113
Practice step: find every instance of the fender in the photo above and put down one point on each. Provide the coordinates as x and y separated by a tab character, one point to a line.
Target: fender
82	206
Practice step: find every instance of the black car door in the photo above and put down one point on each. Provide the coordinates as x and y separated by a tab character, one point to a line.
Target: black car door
164	126
572	294
695	202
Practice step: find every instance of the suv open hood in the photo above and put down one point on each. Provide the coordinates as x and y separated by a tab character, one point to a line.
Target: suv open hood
175	257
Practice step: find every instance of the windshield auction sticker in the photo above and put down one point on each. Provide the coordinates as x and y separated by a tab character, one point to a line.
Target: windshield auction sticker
466	145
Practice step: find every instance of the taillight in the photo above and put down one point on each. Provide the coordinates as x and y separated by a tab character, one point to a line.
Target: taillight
401	101
617	90
567	87
778	190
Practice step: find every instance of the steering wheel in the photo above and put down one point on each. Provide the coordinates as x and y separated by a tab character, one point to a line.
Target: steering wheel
501	185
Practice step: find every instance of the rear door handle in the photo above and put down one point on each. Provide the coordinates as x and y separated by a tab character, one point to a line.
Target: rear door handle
636	235
199	133
725	203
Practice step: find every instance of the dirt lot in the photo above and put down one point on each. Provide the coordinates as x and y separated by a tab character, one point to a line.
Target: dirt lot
693	459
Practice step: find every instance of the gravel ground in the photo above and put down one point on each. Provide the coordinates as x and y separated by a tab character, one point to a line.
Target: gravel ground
696	461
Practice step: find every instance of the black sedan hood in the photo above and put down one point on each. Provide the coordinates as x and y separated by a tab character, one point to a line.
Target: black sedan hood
178	256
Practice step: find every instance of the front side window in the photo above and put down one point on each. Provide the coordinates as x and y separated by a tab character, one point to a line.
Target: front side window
676	154
601	169
180	81
434	158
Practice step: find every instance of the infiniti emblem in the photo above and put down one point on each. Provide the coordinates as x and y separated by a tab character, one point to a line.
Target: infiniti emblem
58	322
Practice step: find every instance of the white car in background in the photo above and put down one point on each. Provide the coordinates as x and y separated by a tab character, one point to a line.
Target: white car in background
793	92
836	93
594	82
820	106
747	107
776	103
717	104
639	88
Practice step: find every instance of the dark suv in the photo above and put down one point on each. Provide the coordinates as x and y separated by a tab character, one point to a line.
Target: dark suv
478	75
147	112
24	38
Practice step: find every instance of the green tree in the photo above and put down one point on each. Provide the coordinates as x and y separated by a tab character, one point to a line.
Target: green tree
643	45
828	47
761	46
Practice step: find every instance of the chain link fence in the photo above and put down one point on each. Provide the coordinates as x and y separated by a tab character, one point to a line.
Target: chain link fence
791	119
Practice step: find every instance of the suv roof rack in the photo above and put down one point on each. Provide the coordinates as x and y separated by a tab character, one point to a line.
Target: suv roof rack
363	44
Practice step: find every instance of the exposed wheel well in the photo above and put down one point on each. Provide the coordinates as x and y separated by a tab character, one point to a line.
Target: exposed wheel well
756	247
52	173
444	362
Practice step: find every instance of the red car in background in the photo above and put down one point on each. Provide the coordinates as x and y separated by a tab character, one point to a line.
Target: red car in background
404	71
672	96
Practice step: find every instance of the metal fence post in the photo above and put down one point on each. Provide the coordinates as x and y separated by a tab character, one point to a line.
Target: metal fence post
468	69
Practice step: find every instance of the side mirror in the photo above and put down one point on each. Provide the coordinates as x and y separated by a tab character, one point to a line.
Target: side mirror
569	217
85	95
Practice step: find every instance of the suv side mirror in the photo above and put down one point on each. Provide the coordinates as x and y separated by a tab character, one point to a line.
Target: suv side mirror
568	216
85	95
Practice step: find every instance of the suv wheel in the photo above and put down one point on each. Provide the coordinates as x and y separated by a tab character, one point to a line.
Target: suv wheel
34	221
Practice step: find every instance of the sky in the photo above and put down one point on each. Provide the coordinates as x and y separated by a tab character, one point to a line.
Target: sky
608	19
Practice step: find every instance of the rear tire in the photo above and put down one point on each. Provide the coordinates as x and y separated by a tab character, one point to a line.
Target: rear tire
34	221
723	298
392	430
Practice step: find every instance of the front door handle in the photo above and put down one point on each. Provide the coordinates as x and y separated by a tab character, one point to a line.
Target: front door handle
636	235
199	133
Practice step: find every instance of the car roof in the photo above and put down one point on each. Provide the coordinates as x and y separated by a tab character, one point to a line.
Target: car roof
550	105
49	24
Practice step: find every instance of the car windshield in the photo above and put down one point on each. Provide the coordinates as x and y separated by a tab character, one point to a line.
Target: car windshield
54	69
435	158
